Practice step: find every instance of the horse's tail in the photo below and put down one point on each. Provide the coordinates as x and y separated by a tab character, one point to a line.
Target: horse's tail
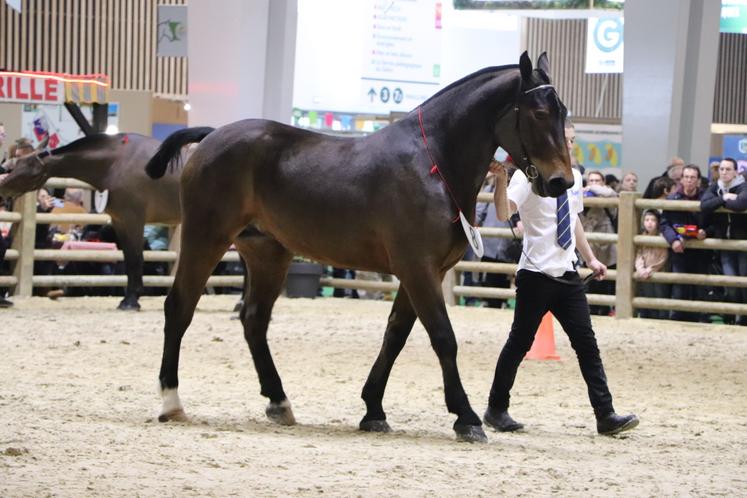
169	153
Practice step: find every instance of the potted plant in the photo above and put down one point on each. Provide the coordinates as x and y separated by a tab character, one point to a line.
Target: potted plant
303	278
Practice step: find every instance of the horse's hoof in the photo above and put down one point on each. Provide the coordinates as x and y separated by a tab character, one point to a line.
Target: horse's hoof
374	426
280	413
470	434
177	415
127	306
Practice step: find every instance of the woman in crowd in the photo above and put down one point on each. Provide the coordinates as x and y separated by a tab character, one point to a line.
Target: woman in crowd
600	220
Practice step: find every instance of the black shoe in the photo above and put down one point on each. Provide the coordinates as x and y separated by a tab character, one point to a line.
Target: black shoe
4	303
613	423
501	421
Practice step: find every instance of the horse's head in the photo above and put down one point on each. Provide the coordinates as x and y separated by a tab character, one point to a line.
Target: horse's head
537	140
27	173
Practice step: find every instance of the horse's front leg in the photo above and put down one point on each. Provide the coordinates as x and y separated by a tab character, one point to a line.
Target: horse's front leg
130	239
424	288
401	320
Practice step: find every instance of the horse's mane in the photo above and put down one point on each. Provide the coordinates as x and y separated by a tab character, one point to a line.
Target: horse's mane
88	141
476	74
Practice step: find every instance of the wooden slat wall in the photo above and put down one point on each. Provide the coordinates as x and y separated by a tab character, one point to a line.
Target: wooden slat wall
730	102
589	97
114	37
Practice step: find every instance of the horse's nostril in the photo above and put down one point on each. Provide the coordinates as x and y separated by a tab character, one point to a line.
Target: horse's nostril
558	184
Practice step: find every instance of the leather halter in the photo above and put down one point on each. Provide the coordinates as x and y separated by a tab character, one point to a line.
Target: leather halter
530	170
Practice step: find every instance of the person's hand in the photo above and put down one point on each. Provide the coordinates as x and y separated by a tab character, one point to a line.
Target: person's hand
729	196
678	246
599	269
498	169
646	273
702	234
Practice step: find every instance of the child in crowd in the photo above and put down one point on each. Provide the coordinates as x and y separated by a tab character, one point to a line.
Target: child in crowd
649	260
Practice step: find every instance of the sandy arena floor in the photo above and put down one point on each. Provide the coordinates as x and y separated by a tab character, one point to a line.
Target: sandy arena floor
78	399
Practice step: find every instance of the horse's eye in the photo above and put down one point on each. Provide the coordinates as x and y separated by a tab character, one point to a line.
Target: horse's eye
541	114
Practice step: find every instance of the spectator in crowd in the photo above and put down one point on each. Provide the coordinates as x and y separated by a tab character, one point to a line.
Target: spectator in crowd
629	183
676	227
663	187
497	250
43	240
4	246
3	153
649	260
713	167
156	237
346	274
23	147
729	191
72	203
673	171
601	220
612	182
570	141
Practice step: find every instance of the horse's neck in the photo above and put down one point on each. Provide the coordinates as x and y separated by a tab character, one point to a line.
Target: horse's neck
90	168
462	139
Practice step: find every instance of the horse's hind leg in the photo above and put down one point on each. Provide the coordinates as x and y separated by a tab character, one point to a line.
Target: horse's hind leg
201	250
401	320
267	262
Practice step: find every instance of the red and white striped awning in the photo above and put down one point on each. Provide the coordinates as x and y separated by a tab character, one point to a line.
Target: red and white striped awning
33	87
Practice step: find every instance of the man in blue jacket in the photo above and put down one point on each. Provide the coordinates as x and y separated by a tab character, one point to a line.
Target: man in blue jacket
676	227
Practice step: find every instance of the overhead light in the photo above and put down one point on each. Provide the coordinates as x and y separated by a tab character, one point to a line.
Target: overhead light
112	129
187	106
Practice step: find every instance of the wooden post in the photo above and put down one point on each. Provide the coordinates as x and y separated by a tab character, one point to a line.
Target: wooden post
627	228
24	235
447	287
175	241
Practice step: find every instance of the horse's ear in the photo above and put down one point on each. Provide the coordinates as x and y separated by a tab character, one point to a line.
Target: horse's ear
43	144
543	64
525	66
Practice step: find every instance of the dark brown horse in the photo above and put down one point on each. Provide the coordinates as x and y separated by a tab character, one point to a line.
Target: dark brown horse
114	163
376	203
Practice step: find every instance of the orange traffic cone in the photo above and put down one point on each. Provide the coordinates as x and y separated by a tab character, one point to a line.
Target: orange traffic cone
543	347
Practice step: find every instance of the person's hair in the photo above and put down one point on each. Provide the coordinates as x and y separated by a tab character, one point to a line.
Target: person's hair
630	173
653	212
74	195
661	185
24	143
733	161
693	167
610	179
596	172
569	124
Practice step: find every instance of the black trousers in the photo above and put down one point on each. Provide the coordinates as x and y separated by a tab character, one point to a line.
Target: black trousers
537	294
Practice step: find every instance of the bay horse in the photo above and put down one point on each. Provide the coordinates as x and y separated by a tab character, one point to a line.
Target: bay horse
114	163
384	203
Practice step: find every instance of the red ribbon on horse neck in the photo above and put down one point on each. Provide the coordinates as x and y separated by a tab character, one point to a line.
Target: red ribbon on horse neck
434	168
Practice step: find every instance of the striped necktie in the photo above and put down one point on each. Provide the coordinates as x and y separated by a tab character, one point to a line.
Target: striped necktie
564	222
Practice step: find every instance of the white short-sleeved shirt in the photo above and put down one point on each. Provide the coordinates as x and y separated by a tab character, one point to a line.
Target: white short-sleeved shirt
539	217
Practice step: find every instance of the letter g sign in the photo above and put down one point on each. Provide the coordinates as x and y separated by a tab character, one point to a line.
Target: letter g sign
608	34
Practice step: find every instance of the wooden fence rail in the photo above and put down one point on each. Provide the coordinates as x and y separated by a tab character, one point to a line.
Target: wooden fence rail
629	206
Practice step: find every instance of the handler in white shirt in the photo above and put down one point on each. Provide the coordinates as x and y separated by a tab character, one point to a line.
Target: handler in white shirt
547	281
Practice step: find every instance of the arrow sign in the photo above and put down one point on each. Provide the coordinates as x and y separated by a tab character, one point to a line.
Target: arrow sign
372	94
